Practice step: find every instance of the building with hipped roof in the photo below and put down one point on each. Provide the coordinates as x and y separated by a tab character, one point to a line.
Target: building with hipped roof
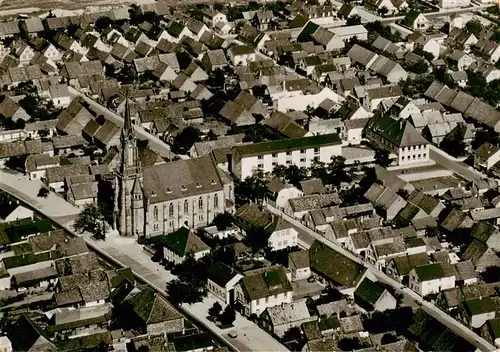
263	288
399	138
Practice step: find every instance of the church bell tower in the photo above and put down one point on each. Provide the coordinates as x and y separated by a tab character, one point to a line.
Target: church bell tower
130	195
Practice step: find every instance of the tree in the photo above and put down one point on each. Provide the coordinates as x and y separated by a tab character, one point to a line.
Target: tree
185	140
223	221
188	291
103	23
43	192
318	170
353	20
491	274
228	316
337	171
382	158
252	189
453	143
475	27
420	67
293	334
391	319
294	175
388	338
215	309
383	11
91	220
350	344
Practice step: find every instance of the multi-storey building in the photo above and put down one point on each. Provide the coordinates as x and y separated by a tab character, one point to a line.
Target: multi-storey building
265	156
399	138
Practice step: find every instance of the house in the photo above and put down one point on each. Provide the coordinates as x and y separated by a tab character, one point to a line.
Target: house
375	97
13	211
263	288
26	335
461	59
298	263
493	326
400	267
280	193
11	110
236	114
5	344
278	319
385	199
486	156
212	17
432	278
335	38
241	55
251	103
151	312
195	72
336	267
480	255
398	137
372	295
283	235
180	243
475	312
214	59
59	95
487	233
222	280
246	159
416	21
465	273
285	125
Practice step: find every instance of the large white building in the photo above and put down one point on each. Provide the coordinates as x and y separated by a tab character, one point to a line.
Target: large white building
432	278
450	4
399	138
265	156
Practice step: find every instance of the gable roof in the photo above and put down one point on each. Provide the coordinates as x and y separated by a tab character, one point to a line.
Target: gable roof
150	307
221	273
369	291
335	266
266	282
27	336
434	271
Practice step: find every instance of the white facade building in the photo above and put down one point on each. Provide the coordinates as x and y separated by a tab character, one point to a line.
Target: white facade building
283	236
432	278
266	156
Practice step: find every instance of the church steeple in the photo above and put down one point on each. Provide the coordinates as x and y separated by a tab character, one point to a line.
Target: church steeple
129	197
128	127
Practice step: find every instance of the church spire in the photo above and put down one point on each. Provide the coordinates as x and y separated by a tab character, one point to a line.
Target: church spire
128	126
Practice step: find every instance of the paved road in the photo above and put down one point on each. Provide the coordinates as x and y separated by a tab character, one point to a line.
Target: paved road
125	252
155	143
450	163
308	236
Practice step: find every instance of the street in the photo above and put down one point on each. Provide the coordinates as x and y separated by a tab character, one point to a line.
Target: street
126	252
308	236
457	167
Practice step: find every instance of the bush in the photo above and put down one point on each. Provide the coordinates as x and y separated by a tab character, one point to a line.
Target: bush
228	316
43	192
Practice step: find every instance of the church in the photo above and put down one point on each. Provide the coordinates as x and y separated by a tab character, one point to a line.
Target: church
159	199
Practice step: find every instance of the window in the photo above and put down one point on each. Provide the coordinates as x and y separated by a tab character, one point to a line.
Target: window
424	155
216	201
171	210
288	153
257	301
316	150
200	203
267	299
155	227
155	213
275	163
413	156
285	242
260	166
288	162
419	156
275	155
171	223
186	207
316	158
279	244
302	151
260	157
302	160
200	217
403	158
